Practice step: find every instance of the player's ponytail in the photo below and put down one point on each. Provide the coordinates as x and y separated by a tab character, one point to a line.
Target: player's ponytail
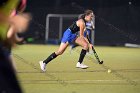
81	16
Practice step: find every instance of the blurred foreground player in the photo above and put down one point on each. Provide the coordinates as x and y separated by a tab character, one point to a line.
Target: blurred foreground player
19	23
18	10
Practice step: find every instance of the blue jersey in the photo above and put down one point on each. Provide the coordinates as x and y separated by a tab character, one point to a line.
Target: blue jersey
88	28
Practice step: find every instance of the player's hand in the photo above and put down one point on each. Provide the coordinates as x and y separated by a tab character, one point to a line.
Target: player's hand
90	46
81	37
12	37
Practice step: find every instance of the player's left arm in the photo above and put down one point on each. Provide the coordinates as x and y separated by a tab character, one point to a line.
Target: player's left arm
89	41
92	25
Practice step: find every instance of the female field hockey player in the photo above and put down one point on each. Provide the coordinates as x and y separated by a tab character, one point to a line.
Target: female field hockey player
90	26
69	37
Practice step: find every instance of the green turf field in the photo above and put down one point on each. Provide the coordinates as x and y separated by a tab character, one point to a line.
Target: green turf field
63	77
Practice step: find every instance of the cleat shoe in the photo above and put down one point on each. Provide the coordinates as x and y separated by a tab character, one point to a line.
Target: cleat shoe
83	66
42	66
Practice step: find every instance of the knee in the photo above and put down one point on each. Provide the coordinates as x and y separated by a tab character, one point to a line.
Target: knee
59	52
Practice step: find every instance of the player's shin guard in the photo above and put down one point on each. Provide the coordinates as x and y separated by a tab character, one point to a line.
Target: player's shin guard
82	55
51	57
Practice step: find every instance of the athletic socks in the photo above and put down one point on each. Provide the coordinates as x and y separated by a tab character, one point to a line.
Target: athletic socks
51	57
82	55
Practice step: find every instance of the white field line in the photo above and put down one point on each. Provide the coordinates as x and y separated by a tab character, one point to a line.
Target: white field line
81	81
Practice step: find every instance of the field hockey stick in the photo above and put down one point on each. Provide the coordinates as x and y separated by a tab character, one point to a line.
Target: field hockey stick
95	54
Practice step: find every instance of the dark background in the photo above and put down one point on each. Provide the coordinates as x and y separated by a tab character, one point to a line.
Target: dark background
117	21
